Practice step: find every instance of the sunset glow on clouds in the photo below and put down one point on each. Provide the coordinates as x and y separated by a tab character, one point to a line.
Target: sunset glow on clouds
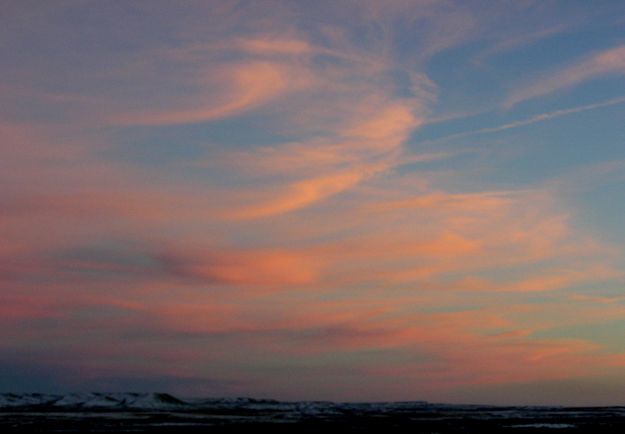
416	200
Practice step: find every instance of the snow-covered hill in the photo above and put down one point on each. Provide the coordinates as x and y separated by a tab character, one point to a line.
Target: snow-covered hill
113	401
150	412
166	402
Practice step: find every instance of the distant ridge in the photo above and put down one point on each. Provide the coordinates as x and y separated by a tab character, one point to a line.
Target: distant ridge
91	400
165	401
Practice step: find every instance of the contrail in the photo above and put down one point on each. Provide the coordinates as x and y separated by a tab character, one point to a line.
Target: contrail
535	119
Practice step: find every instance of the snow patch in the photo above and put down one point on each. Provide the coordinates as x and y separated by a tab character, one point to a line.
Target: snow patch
544	425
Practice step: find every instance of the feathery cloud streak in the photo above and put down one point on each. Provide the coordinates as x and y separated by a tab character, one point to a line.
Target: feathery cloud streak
611	61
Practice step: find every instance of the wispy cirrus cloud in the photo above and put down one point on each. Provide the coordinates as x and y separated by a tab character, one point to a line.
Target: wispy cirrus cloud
603	63
519	41
232	91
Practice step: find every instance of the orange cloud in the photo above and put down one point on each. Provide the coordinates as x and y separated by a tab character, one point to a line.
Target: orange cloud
547	280
481	202
242	267
301	194
374	152
356	143
272	45
388	127
464	353
247	85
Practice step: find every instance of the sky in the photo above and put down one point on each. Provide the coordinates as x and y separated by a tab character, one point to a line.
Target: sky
320	200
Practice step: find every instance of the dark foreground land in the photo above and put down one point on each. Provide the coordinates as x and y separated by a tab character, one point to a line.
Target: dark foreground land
161	413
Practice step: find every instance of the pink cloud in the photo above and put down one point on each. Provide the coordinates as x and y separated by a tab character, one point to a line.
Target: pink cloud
247	86
301	194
